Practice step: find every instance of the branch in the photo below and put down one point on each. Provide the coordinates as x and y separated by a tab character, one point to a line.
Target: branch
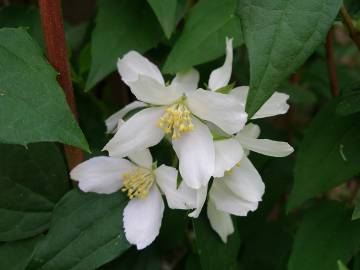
348	22
331	65
56	50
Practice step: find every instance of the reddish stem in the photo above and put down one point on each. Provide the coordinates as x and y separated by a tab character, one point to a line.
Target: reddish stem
56	50
347	21
331	65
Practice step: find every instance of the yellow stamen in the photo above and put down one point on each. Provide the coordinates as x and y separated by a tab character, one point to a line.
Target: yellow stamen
138	183
176	120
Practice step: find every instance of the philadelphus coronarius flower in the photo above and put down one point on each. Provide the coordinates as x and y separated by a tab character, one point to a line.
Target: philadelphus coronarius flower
143	183
179	110
237	187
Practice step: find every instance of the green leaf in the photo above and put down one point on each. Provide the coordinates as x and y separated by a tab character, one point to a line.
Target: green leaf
280	35
350	102
86	232
328	156
356	213
32	105
16	255
203	39
31	181
214	254
23	16
121	26
326	235
165	12
341	265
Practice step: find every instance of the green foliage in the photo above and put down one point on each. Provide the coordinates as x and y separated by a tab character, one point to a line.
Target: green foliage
280	35
328	155
326	235
16	255
165	12
350	102
203	38
32	105
121	26
85	233
213	253
31	181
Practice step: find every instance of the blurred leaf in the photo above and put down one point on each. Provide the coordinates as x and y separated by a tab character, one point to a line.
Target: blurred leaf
350	102
121	26
213	253
280	35
165	12
267	248
328	155
75	35
326	235
203	39
23	16
86	232
356	213
147	259
31	181
91	120
32	105
193	262
341	265
16	255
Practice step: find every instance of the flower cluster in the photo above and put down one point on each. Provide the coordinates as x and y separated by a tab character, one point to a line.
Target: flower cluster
210	135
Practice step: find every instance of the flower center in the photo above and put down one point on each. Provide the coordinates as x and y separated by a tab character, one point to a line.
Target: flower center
138	183
176	120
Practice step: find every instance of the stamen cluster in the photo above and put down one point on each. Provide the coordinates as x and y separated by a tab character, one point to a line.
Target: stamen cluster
138	183
176	120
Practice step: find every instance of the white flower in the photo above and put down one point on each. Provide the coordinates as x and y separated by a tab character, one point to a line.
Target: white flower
178	109
237	187
143	184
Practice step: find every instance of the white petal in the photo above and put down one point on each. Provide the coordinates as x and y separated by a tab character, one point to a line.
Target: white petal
112	121
142	219
241	93
220	77
220	221
101	174
250	130
275	105
181	197
227	153
264	146
143	158
186	81
225	200
245	181
139	132
134	64
150	91
225	111
199	202
196	153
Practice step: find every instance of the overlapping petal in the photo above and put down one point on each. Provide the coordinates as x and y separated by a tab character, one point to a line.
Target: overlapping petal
225	111
101	174
227	153
133	64
148	90
185	82
112	121
137	133
220	221
142	219
195	150
143	158
181	197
